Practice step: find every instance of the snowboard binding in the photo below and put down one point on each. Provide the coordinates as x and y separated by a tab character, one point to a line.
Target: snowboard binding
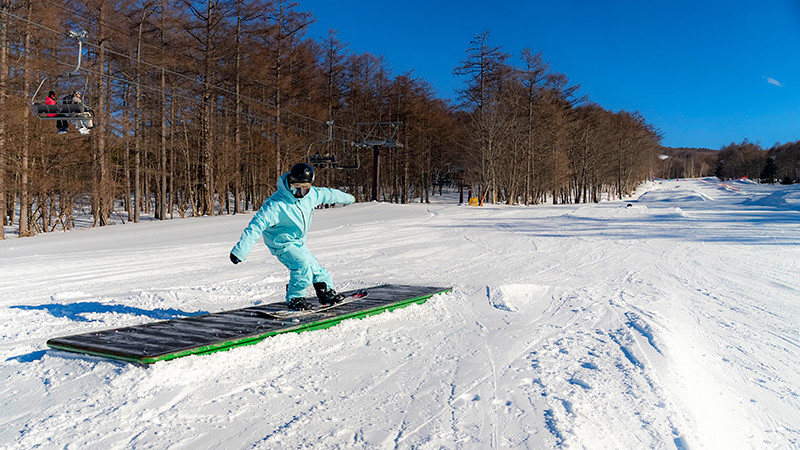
299	304
327	296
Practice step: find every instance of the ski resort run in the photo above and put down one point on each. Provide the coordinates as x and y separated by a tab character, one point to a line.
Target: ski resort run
670	319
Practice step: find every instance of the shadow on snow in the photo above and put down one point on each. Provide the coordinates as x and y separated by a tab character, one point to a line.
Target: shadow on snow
75	311
740	226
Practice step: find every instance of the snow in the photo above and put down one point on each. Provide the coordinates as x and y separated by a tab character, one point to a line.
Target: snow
667	320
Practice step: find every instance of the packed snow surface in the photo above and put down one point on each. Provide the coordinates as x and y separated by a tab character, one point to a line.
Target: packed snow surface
667	320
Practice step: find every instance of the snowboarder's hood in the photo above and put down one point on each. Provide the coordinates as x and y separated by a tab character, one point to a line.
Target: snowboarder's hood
283	188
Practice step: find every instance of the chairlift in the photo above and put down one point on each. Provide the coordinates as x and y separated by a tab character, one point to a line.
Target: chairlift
319	160
324	160
66	110
329	159
350	160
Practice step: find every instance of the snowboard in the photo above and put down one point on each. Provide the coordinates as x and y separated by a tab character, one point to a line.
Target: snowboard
208	333
291	314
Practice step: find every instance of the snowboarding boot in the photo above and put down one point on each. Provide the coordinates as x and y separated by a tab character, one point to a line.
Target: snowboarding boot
299	304
327	296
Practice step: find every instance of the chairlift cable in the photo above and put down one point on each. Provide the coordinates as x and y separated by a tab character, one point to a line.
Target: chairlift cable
174	95
107	24
221	89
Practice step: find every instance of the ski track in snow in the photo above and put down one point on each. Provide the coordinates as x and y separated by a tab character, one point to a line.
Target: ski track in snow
668	320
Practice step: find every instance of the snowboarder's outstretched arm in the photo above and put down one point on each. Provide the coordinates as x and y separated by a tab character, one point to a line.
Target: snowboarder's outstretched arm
264	218
329	196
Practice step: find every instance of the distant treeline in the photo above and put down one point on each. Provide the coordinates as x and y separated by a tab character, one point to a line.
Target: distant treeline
200	105
524	136
683	162
781	163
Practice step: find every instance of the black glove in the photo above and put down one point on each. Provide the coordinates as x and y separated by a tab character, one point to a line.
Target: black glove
235	259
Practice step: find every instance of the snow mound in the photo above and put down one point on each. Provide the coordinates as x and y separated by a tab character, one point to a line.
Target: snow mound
70	295
510	297
778	199
605	212
676	195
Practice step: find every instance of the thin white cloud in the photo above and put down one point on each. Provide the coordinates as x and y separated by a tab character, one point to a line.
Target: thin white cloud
773	81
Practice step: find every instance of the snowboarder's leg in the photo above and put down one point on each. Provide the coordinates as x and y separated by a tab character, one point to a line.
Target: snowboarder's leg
323	284
319	274
302	268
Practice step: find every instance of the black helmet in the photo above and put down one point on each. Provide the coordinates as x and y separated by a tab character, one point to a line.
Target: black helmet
301	173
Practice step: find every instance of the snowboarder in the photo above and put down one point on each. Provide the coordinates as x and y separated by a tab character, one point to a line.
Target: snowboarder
283	221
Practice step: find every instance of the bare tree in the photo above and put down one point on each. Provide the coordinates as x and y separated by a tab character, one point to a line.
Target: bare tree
485	67
5	6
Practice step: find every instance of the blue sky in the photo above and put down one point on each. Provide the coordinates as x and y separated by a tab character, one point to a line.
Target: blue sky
705	73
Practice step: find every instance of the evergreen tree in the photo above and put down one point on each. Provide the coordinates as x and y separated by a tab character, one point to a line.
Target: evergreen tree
770	171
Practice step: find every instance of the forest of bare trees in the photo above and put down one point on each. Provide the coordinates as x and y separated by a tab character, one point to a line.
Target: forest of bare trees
687	162
781	163
200	104
526	138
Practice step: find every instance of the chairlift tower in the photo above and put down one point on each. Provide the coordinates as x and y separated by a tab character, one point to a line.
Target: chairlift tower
377	135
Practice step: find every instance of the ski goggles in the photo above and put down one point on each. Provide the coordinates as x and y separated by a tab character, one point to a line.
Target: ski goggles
300	190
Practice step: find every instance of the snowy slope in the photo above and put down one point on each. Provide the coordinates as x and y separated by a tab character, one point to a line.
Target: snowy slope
671	320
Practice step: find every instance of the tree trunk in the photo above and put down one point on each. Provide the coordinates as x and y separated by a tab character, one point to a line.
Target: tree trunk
172	156
207	196
162	193
237	134
278	92
24	226
4	5
126	143
106	201
138	135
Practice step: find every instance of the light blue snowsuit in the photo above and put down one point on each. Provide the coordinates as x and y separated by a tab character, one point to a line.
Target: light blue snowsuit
283	222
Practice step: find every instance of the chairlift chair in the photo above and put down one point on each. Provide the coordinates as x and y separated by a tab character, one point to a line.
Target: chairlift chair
351	160
74	112
329	159
343	160
325	160
71	112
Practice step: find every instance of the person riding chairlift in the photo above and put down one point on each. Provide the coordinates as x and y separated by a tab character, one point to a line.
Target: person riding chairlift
61	125
84	125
